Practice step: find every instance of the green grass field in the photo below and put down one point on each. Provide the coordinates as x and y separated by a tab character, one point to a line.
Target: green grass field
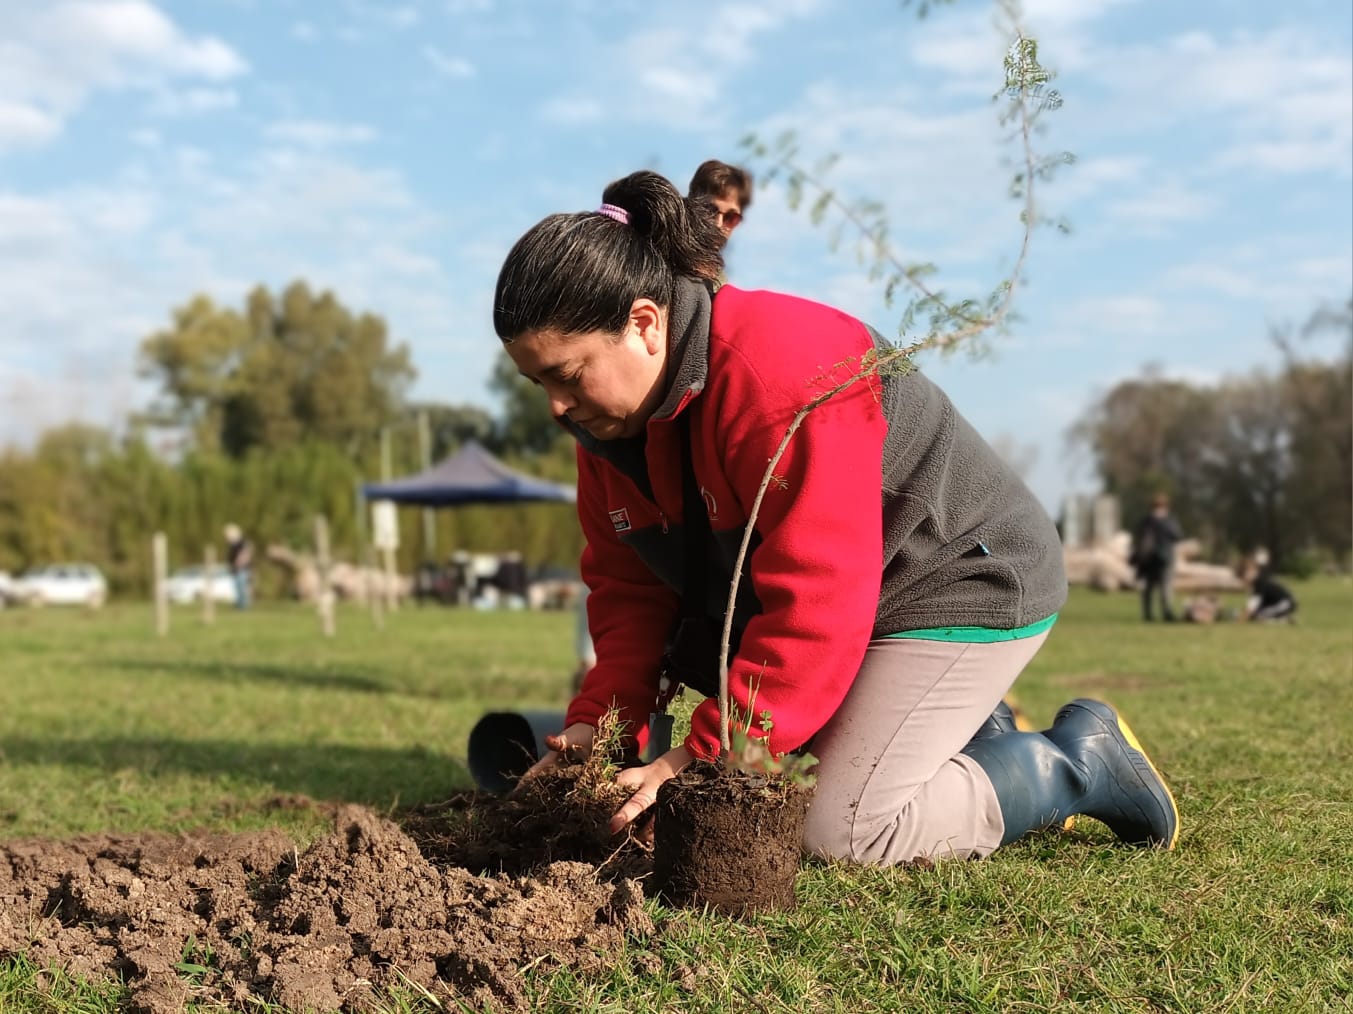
105	727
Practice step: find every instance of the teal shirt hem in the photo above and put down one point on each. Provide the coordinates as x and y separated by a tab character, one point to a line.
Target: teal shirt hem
979	635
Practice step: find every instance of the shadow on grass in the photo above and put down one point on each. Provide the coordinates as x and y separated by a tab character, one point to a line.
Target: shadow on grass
290	675
375	776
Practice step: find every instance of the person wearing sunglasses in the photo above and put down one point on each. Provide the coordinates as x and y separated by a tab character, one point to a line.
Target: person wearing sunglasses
727	187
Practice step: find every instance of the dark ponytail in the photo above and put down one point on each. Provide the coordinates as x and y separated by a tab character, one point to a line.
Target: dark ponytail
582	272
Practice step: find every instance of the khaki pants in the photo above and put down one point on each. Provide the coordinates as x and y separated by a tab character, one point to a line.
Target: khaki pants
891	783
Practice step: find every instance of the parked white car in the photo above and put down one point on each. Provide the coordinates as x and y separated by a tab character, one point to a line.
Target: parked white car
63	584
192	584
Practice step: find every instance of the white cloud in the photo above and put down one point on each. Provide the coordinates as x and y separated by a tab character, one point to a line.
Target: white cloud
318	133
135	31
688	85
1090	178
1283	279
681	87
53	56
1133	315
969	45
730	37
965	52
1156	208
1281	97
938	172
193	101
24	125
453	67
573	111
304	31
38	401
1063	13
381	13
1289	156
87	272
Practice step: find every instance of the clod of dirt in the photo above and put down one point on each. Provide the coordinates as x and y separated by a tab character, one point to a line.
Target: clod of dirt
230	918
728	839
559	815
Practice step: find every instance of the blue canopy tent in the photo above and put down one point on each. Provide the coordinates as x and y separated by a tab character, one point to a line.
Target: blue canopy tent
471	475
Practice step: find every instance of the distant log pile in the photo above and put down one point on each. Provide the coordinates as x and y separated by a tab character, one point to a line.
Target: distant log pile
349	582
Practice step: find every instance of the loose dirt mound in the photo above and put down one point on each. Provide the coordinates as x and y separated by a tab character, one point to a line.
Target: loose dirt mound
227	918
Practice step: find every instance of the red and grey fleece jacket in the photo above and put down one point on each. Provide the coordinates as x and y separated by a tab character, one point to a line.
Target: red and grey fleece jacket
887	512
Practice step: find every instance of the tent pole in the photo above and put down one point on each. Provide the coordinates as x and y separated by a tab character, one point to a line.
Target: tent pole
429	519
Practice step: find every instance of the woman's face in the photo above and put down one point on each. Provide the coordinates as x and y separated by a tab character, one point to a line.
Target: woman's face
608	385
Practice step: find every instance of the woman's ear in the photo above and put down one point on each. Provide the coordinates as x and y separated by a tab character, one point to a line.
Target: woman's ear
650	321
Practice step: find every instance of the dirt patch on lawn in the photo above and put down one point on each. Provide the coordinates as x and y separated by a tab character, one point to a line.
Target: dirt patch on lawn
457	902
1126	682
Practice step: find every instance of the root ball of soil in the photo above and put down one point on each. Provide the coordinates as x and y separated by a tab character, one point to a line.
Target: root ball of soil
728	839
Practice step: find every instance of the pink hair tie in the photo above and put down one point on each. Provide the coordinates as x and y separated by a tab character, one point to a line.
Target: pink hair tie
612	211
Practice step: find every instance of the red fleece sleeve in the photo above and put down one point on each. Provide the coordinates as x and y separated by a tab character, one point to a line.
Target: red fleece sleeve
818	568
629	613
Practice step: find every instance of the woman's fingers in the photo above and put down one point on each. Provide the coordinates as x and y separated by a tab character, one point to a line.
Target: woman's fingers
634	806
574	743
539	767
558	743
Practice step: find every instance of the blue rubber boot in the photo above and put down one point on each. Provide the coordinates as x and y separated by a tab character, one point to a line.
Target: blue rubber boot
1125	790
1089	762
998	723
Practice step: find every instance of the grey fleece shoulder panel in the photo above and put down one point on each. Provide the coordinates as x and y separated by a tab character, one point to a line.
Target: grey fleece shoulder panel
965	541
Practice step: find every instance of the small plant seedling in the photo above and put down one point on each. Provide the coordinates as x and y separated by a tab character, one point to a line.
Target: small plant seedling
196	960
751	753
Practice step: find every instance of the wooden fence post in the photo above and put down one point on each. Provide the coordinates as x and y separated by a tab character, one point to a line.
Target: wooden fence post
375	594
159	553
208	596
325	598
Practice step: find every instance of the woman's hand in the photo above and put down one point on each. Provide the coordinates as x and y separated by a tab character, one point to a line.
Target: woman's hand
574	743
645	782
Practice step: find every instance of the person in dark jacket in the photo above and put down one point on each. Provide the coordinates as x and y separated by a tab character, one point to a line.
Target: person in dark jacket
1269	599
240	558
1153	554
900	575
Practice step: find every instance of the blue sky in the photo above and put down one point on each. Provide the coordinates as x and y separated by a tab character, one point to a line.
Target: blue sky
393	151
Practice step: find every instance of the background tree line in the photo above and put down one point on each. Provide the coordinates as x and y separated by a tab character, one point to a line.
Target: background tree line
269	415
1263	459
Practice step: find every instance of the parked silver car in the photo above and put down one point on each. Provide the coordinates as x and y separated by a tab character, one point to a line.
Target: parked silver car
192	584
62	584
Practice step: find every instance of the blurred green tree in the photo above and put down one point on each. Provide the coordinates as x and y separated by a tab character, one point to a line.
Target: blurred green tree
1263	459
299	367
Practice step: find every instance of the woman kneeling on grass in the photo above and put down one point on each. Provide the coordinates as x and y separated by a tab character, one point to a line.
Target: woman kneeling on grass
901	577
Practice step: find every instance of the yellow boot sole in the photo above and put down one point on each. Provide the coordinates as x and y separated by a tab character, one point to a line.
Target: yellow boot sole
1128	734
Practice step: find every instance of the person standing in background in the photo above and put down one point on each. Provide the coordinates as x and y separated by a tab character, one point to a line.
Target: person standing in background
239	557
727	187
1153	553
